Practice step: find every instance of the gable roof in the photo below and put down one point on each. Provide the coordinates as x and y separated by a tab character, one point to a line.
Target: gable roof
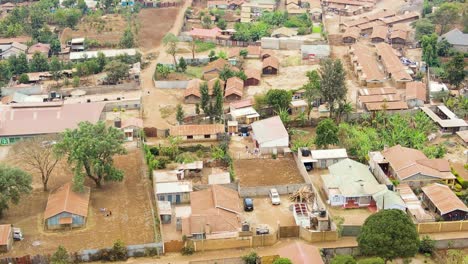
382	14
253	73
132	121
39	47
193	88
254	50
64	199
5	232
205	33
352	32
211	83
367	62
377	106
443	198
378	98
391	62
23	39
455	37
234	85
241	104
401	34
400	18
270	62
216	65
380	32
195	130
416	90
269	129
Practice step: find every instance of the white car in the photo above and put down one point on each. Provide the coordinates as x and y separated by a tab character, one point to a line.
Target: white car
274	196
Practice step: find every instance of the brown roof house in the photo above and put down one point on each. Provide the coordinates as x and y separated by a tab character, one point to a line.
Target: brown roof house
253	52
213	68
197	132
234	89
392	65
270	66
254	77
400	34
192	92
411	166
216	212
6	238
441	200
415	94
365	66
351	35
67	208
40	48
379	34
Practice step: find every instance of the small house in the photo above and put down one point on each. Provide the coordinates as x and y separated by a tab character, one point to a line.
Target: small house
323	158
270	135
457	39
253	52
205	34
441	200
234	89
6	238
244	115
213	68
131	127
197	132
165	212
173	192
399	35
379	34
66	208
284	32
270	66
77	44
253	77
192	91
39	48
233	127
14	49
448	122
298	106
415	95
351	35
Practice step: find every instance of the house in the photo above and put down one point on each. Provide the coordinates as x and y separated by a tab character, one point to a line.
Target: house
270	135
351	35
407	17
392	65
131	127
377	91
382	14
379	98
254	52
77	44
31	119
216	212
366	28
14	49
233	127
457	38
192	92
7	8
213	68
447	121
5	43
112	53
167	176
463	135
66	208
266	54
205	34
211	85
365	66
197	132
270	66
413	204
323	158
234	89
254	77
244	115
387	106
415	95
315	53
6	238
241	104
379	34
412	167
297	107
40	48
400	34
301	253
350	184
284	32
165	212
174	192
441	200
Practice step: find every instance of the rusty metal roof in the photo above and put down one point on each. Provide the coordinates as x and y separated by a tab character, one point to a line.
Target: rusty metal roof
64	199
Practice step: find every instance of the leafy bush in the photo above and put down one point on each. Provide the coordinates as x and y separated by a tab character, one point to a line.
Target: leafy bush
118	252
154	151
151	251
188	250
251	258
427	245
282	261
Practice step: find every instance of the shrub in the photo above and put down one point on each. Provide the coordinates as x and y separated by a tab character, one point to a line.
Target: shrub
251	258
151	251
118	252
427	245
458	187
60	256
188	250
154	151
274	156
282	261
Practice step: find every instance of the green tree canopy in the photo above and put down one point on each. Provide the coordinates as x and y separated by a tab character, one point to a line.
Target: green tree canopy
327	133
445	16
282	261
116	71
170	41
39	63
18	65
332	82
389	234
311	90
90	150
13	183
429	49
60	256
180	114
23	78
278	99
455	69
128	40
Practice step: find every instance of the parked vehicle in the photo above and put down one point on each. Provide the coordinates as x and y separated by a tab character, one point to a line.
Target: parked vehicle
248	204
17	234
262	230
274	197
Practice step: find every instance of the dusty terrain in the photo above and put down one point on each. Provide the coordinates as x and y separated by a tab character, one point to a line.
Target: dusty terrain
131	219
154	24
266	213
265	172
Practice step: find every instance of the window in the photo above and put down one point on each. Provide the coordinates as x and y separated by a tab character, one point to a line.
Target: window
207	136
189	137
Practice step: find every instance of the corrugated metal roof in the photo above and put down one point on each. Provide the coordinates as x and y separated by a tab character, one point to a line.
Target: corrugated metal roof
443	198
64	199
5	231
192	130
269	129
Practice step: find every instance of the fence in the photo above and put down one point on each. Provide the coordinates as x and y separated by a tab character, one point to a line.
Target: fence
132	250
264	190
219	261
305	175
233	185
155	132
444	226
288	231
316	236
171	84
103	89
122	104
237	242
288	43
37	259
351	230
173	246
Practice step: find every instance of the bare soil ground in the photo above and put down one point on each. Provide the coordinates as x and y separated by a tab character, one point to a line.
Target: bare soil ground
266	213
131	219
107	29
265	172
154	24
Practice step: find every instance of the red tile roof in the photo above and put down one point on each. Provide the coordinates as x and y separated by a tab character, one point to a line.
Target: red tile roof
271	62
64	199
193	88
254	50
392	63
253	73
5	233
196	130
352	32
380	32
416	90
234	85
367	62
399	105
241	104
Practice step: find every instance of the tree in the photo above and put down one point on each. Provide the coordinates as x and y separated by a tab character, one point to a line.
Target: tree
311	90
116	71
204	98
197	109
206	21
182	64
38	154
128	40
55	68
101	61
429	49
284	116
389	234
90	150
251	258
13	183
39	63
212	55
343	259
375	260
427	245
19	64
76	81
55	45
243	53
222	24
344	108
455	70
180	114
443	47
5	72
327	133
23	78
423	27
60	256
332	82
446	15
163	70
278	99
282	261
170	42
218	94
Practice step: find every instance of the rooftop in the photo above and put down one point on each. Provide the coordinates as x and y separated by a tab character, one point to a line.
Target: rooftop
64	199
443	198
455	37
269	129
5	232
108	53
378	106
375	91
329	154
195	130
416	90
452	121
270	62
173	187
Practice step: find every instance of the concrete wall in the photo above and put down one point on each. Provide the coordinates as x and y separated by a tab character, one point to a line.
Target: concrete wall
133	250
122	104
238	242
351	230
264	190
103	89
171	84
439	227
30	90
315	236
233	185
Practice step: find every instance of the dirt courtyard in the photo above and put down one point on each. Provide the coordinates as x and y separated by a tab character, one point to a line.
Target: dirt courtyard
266	172
131	219
265	213
154	24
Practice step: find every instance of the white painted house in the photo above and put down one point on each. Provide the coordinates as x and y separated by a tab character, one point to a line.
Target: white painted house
270	135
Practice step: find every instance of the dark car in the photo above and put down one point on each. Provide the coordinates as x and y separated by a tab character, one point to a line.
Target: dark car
262	230
248	204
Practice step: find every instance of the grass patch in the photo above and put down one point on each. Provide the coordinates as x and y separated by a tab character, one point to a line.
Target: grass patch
166	111
291	61
317	29
196	72
204	46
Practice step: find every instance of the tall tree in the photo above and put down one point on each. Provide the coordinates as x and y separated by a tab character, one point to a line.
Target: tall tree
38	154
101	61
128	40
13	183
389	234
5	72
327	133
116	71
39	63
218	106
311	90
182	64
446	15
204	98
170	42
180	114
18	64
90	150
55	68
193	47
455	69
278	99
332	83
60	256
429	49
